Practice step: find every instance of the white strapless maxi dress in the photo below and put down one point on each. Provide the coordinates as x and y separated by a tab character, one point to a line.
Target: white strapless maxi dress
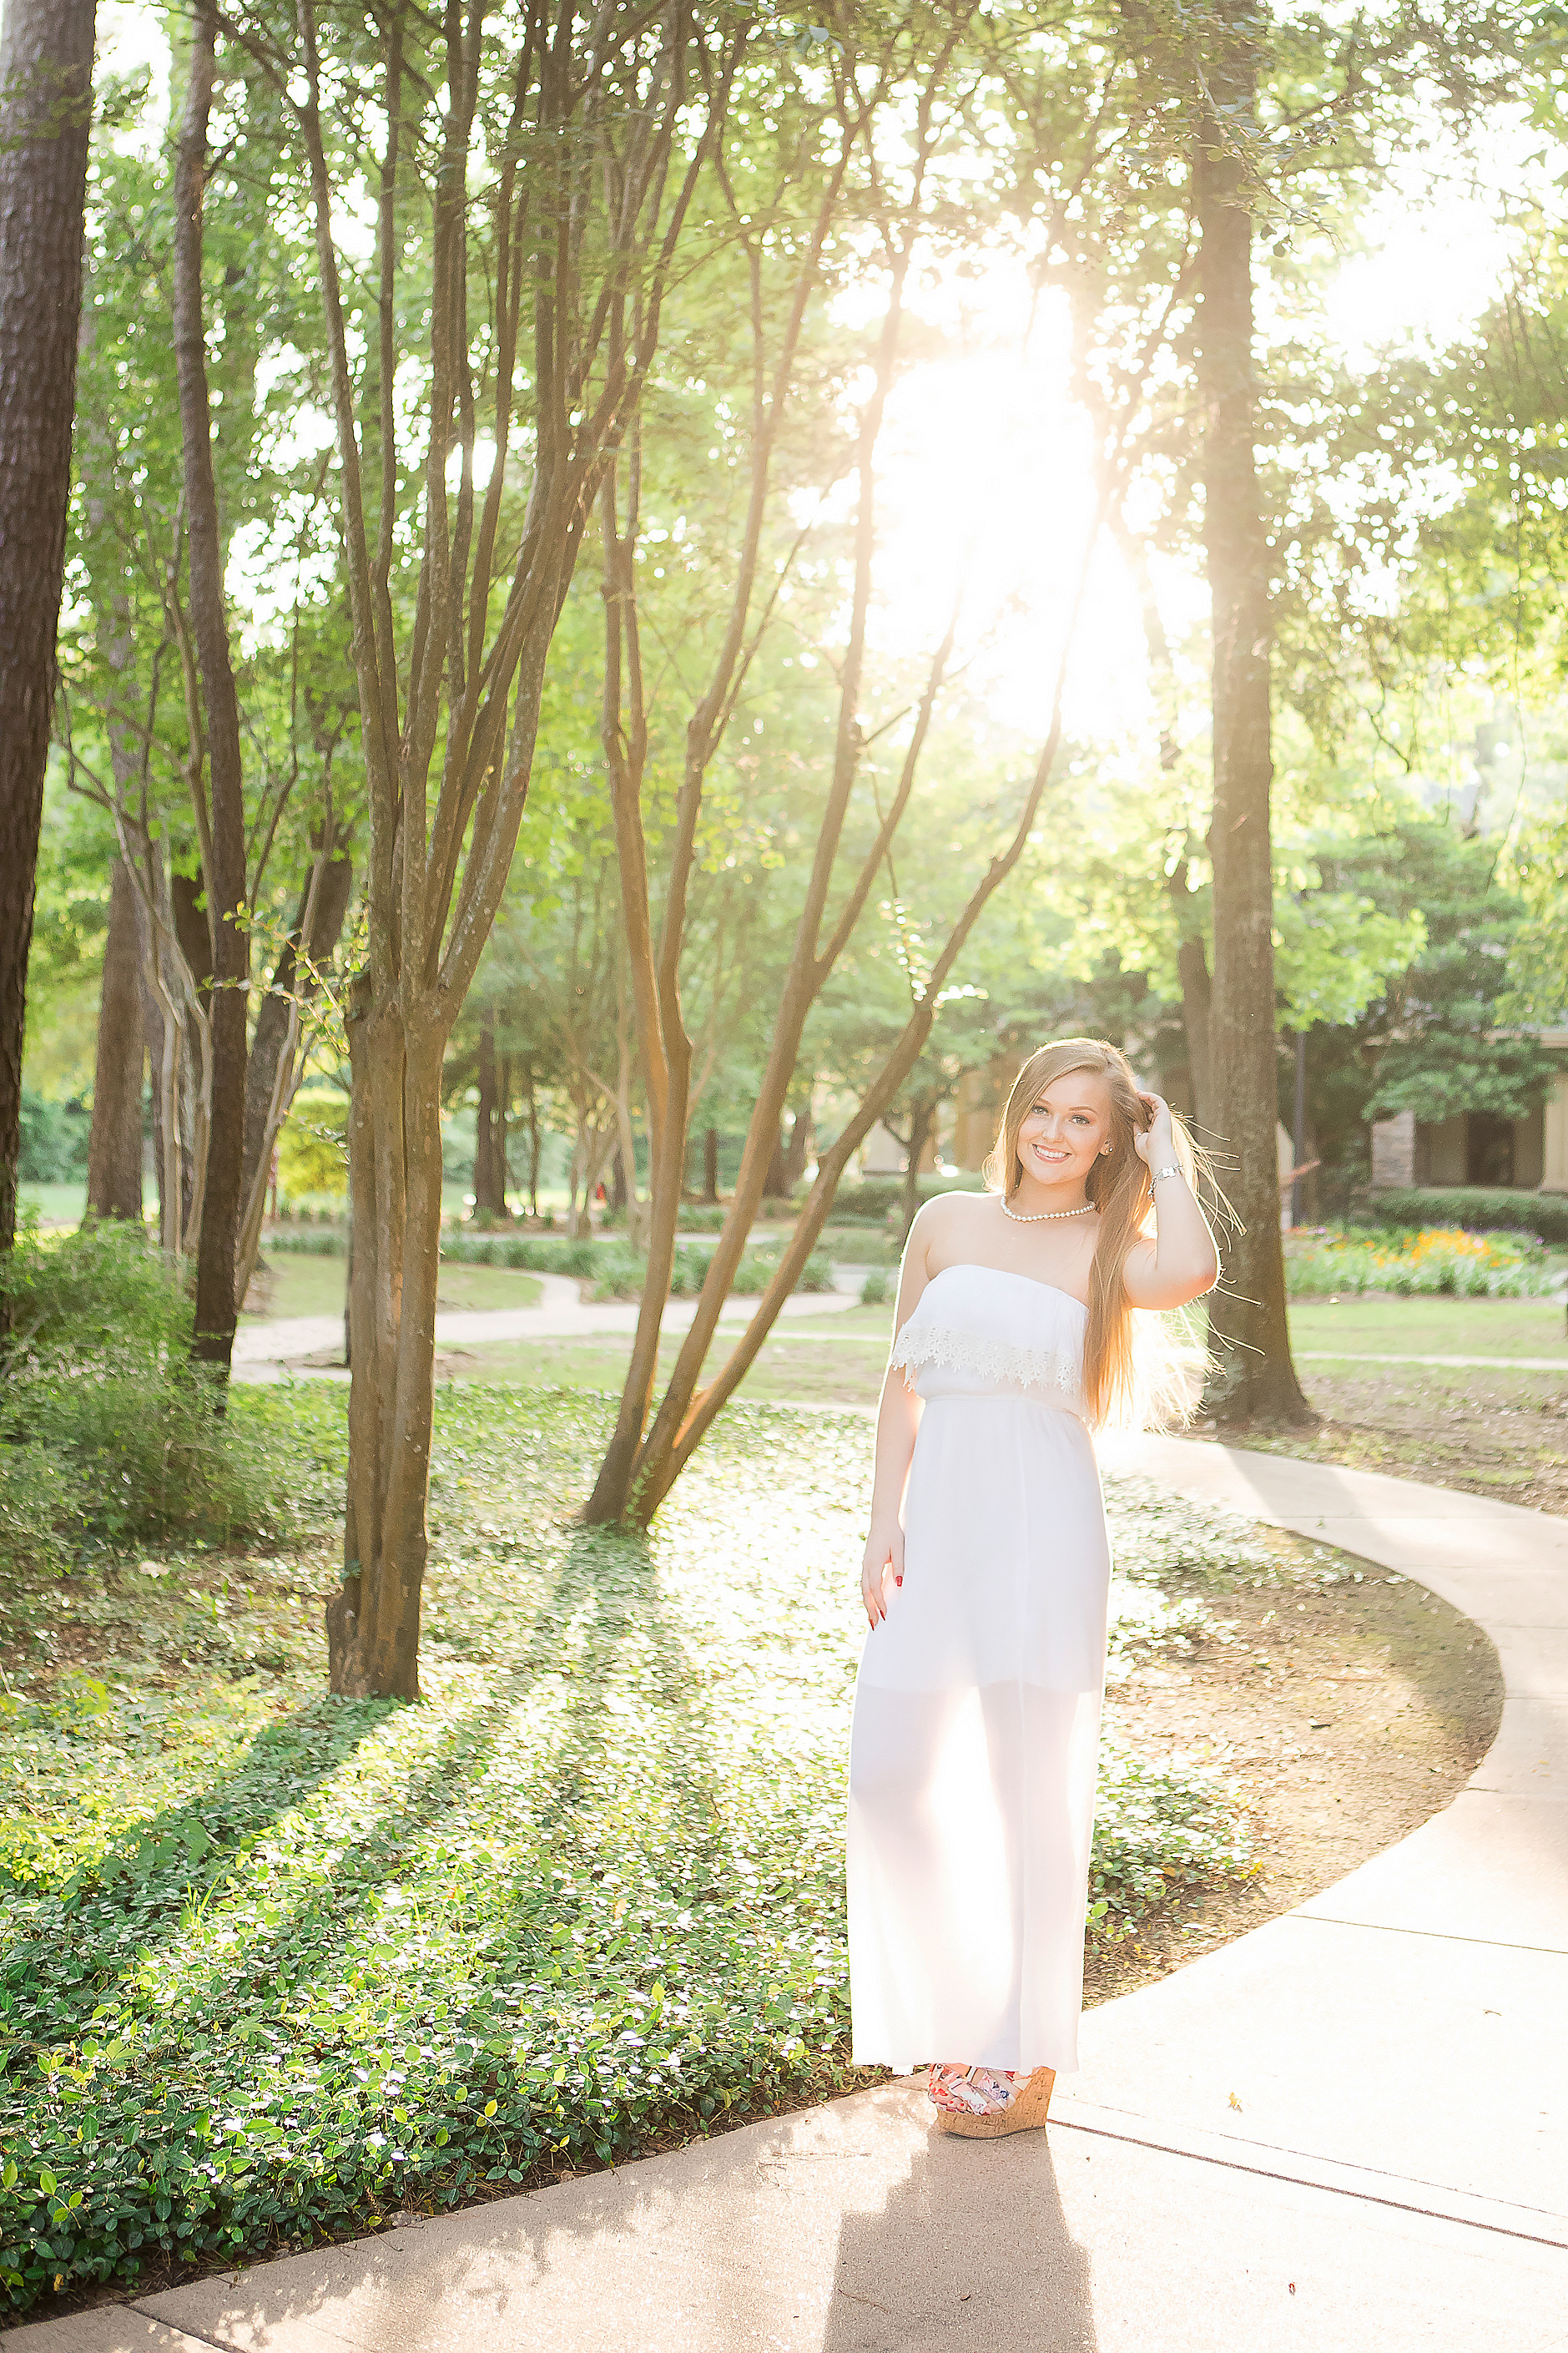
976	1727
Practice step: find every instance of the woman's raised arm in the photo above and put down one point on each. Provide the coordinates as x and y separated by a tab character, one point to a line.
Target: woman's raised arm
1182	1262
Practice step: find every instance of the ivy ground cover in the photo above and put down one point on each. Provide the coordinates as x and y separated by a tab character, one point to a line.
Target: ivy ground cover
274	1966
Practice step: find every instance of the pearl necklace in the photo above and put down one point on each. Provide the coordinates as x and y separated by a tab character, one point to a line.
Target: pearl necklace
1041	1217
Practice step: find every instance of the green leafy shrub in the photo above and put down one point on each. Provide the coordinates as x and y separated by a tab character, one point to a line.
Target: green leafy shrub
1481	1208
533	1253
53	1142
879	1287
110	1431
619	1272
1438	1259
876	1198
307	1241
1160	1827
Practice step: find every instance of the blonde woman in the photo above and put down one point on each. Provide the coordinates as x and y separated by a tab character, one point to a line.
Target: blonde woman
976	1727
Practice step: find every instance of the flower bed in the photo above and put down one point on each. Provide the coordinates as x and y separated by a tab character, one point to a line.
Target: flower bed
1441	1259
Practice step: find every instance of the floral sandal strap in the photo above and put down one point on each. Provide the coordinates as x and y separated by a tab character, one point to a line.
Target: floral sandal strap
973	2091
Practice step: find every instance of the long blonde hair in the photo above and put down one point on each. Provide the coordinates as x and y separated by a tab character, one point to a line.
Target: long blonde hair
1123	1382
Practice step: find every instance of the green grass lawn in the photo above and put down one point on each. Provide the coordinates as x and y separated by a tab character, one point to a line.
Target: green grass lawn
298	1284
58	1205
818	1360
836	1360
278	1966
1459	1327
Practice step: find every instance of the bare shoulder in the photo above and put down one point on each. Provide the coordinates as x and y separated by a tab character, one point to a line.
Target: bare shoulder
946	1218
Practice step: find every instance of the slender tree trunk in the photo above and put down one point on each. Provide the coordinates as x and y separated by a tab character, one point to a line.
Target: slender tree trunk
503	1106
775	1184
46	109
275	1064
395	1188
1192	971
278	1009
486	1187
1253	1376
153	1029
532	1146
922	1113
710	1167
114	1144
224	877
797	1149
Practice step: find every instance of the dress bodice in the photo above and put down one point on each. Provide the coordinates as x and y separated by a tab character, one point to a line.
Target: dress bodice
981	1331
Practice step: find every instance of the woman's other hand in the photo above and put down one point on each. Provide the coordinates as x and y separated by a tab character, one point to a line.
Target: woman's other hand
884	1559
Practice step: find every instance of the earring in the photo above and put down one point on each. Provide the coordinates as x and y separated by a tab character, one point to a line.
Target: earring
1105	1148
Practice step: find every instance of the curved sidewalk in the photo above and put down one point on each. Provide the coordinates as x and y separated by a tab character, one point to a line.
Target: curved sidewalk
261	1347
1345	2133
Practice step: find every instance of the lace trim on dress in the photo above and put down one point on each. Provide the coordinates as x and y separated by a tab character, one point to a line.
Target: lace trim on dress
988	1359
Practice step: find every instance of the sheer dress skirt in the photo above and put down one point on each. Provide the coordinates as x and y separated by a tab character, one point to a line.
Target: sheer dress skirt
976	1723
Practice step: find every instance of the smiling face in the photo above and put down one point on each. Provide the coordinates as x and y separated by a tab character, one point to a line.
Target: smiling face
1063	1131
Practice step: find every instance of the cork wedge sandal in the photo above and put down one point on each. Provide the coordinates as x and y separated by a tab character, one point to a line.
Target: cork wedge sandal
1026	2111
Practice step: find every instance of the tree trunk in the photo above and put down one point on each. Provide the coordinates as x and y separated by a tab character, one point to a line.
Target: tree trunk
46	109
1192	971
775	1184
487	1183
278	1009
224	877
532	1146
504	1105
152	1027
710	1167
1253	1376
617	1181
114	1144
275	1065
922	1113
797	1149
395	1192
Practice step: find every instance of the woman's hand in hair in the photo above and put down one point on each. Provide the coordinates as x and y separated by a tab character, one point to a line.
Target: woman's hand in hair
1179	1262
884	1559
1155	1142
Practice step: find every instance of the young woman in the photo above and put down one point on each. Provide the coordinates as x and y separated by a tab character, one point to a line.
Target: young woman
976	1726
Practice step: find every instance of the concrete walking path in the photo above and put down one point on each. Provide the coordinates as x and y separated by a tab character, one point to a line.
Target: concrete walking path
261	1347
1344	2133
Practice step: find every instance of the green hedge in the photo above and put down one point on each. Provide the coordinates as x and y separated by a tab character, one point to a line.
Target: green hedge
876	1197
1481	1208
612	1266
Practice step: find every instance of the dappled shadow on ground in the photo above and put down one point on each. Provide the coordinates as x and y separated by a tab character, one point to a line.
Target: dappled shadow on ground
151	1876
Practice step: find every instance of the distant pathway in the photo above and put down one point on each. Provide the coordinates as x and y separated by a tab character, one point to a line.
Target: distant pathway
261	1349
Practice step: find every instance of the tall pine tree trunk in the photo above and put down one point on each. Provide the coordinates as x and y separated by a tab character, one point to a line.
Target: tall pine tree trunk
224	867
114	1143
1253	1376
46	109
